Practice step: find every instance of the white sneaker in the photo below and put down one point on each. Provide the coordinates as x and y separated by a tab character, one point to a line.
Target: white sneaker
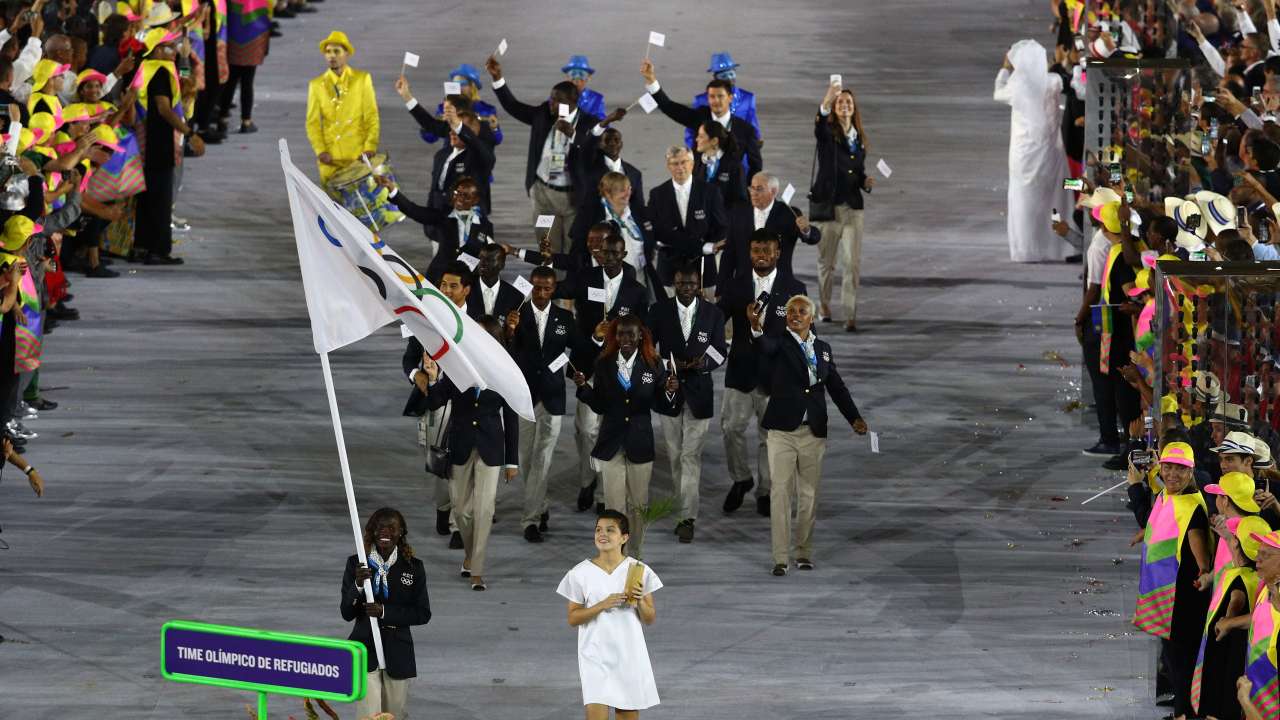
179	224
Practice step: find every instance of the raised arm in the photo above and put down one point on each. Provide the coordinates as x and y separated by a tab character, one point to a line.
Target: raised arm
516	109
683	114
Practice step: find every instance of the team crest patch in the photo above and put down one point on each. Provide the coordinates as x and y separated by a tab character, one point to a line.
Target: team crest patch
826	357
724	177
780	311
699	214
624	311
561	329
406	579
702	336
647	378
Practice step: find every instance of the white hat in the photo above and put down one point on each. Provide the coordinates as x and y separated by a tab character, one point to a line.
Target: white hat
1275	211
1188	215
1171	205
1101	196
1217	210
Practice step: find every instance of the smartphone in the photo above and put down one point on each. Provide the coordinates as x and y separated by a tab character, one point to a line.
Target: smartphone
1210	98
1242	216
1128	193
1079	43
1257	96
1264	232
1114	173
1205	145
1076	184
764	298
1142	459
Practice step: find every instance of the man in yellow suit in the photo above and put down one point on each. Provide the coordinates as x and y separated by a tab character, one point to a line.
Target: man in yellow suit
342	111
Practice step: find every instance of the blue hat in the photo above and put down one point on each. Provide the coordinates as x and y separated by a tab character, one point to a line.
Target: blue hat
721	62
467	71
578	62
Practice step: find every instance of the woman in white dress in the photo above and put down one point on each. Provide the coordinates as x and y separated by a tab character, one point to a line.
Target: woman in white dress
1037	158
613	659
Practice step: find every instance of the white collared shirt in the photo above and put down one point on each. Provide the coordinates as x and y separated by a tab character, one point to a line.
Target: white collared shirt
540	318
465	220
635	245
806	349
444	169
558	143
723	119
611	287
614	165
761	216
682	197
489	295
687	316
764	284
624	366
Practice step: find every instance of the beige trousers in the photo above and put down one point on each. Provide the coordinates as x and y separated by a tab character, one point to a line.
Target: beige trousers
474	488
586	428
684	437
736	412
841	244
796	460
385	694
537	445
626	489
553	202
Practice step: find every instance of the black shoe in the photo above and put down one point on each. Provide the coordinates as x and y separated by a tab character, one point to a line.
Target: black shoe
248	128
1167	702
586	495
442	522
1074	259
599	508
532	534
286	14
455	541
779	570
1118	462
276	33
62	312
736	492
154	259
1103	449
542	521
101	271
762	505
685	531
306	9
804	564
212	137
41	404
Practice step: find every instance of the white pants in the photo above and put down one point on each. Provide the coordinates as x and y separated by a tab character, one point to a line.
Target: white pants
684	437
586	428
384	694
475	487
841	244
735	413
626	489
537	445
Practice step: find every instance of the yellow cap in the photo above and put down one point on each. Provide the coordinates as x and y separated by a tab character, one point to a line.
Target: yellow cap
1247	530
1169	404
1237	486
44	70
17	230
1109	214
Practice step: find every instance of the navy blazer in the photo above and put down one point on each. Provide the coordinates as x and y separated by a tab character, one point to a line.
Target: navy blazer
406	604
481	422
594	168
744	369
632	299
534	357
744	135
625	421
791	397
416	405
696	386
736	259
680	239
592	212
541	121
508	299
439	226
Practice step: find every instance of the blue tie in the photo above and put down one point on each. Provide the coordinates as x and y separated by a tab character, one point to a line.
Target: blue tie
623	380
711	170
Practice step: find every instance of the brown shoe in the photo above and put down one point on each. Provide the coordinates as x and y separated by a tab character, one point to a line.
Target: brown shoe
851	326
825	312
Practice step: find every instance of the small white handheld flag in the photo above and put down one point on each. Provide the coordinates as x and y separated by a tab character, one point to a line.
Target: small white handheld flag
884	169
410	59
452	88
502	47
471	260
545	221
647	103
788	193
875	442
523	285
835	79
657	38
564	110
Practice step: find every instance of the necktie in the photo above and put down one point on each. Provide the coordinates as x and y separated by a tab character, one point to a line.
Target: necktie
711	169
686	321
623	380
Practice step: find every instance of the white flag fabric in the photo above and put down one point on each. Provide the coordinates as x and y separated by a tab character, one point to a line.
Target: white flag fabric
355	284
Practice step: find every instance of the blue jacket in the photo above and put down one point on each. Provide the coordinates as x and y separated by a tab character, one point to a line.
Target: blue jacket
743	105
591	102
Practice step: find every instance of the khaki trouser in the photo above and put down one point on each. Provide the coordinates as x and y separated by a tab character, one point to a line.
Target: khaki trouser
385	694
796	459
684	437
474	487
586	428
626	489
553	202
537	445
842	236
735	413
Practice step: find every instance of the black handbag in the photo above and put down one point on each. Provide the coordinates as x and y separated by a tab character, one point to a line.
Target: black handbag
822	207
438	462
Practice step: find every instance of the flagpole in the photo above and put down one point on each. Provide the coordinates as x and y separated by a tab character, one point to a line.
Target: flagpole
375	625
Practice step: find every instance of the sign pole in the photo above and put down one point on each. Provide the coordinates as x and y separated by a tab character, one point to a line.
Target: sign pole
351	507
262	706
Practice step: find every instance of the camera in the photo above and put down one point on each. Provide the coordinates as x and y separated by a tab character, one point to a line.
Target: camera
1142	459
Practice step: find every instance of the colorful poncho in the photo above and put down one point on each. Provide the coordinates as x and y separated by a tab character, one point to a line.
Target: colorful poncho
1261	662
1161	554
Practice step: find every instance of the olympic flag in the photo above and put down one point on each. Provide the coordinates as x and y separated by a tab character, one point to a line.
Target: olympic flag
355	284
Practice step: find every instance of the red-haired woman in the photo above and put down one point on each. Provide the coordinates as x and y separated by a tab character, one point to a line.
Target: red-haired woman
630	382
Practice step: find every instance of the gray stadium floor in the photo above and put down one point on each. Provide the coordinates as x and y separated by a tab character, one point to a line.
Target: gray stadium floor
192	473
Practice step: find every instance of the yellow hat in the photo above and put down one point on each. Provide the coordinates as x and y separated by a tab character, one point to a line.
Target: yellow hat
42	125
156	37
337	37
105	136
44	70
125	9
1247	531
1109	216
1237	486
1178	453
7	259
1169	404
91	75
17	230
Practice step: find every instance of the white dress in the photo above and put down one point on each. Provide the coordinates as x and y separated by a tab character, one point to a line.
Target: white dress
1037	158
613	659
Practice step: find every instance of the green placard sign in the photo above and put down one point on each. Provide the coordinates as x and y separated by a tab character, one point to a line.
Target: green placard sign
263	661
